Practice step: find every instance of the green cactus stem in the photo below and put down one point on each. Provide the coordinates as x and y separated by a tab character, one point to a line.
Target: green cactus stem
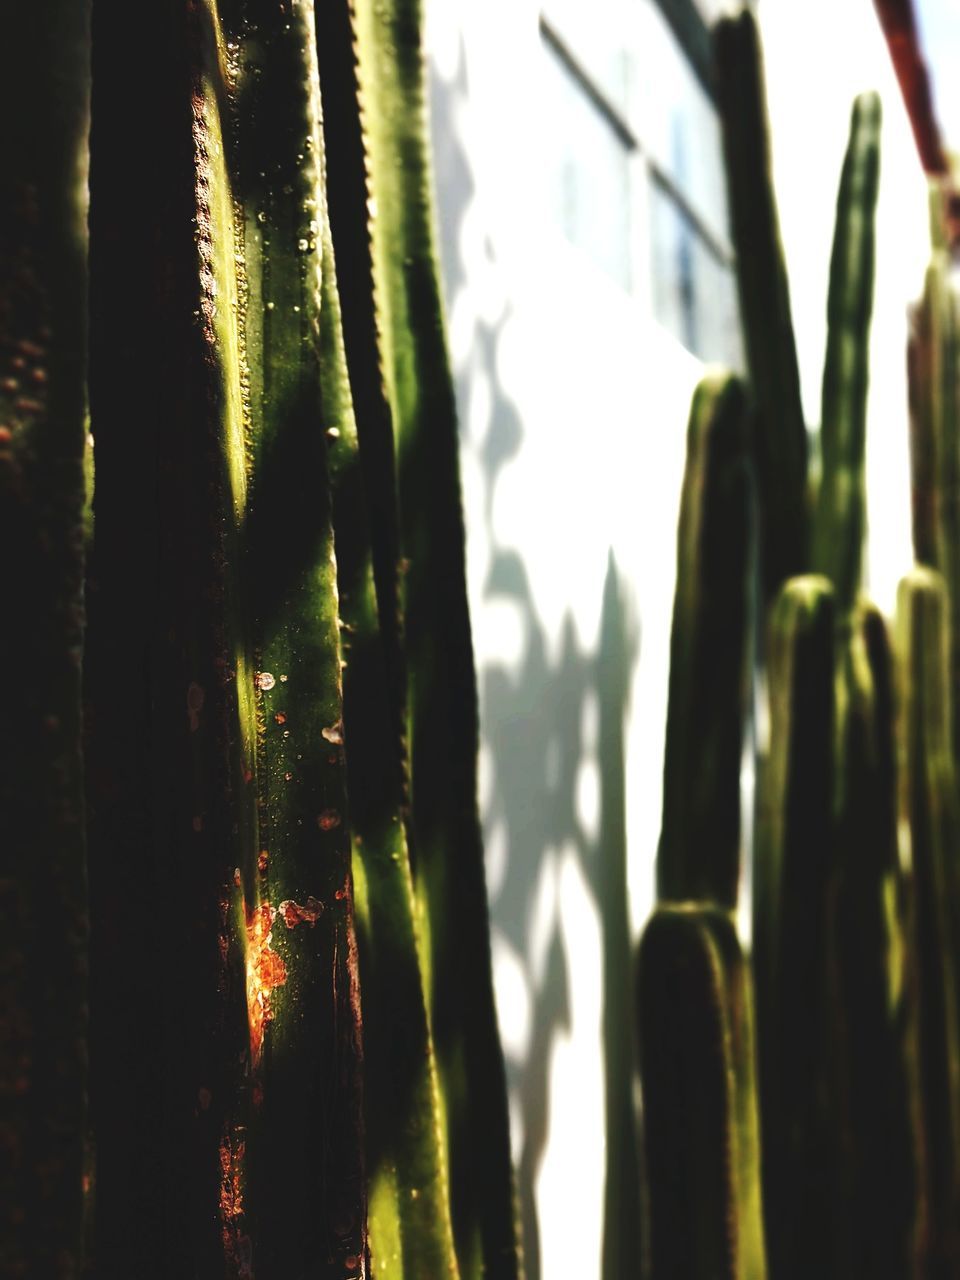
699	852
879	1165
929	805
438	688
307	1186
701	1142
411	1231
791	895
781	440
933	368
840	518
228	1106
44	91
169	679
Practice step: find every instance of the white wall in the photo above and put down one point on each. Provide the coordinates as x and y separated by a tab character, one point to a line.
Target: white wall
573	405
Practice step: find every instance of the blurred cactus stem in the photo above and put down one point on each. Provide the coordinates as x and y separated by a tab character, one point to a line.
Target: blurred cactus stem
790	928
710	649
929	804
840	518
934	385
701	1143
879	1159
781	438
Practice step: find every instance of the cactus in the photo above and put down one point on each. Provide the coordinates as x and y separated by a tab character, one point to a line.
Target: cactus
935	426
409	1213
791	893
431	665
43	957
880	1167
929	808
781	439
840	517
699	853
699	1103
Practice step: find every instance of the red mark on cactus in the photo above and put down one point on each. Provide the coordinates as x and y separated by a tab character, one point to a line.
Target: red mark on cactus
263	860
6	435
232	1149
236	1244
293	914
328	820
280	718
265	972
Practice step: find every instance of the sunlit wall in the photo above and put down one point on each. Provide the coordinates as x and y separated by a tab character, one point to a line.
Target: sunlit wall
581	301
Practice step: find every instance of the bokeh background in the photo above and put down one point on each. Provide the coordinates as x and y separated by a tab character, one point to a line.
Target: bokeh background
588	279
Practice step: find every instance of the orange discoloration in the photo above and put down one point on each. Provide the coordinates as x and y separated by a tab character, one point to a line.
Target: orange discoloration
293	913
265	972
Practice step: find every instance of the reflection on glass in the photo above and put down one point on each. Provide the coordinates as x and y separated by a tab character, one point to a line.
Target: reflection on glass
694	295
587	172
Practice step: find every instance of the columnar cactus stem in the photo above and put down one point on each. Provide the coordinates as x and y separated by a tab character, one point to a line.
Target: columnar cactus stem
840	518
879	1162
929	804
791	897
232	1050
934	370
44	78
439	690
305	1152
699	853
781	440
699	1102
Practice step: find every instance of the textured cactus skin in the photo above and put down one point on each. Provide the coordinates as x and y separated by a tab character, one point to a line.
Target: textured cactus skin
933	364
44	58
840	517
699	1102
781	439
409	1217
929	805
790	930
710	652
438	690
881	1175
226	1141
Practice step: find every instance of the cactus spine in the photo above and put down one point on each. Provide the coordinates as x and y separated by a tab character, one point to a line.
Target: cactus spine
699	853
840	517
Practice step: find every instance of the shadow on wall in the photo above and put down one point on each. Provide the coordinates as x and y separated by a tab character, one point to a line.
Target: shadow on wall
549	719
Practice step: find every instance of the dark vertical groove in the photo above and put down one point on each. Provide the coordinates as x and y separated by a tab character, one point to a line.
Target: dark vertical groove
44	88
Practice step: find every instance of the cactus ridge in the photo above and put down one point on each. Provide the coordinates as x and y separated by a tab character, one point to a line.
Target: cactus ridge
444	836
840	516
781	437
710	652
929	806
700	1121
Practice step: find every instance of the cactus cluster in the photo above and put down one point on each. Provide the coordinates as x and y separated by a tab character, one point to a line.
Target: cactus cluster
261	832
851	984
